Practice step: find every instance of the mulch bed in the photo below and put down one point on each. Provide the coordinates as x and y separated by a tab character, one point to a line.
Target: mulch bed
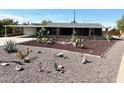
97	47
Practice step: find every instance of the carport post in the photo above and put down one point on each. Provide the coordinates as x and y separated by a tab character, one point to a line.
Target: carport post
5	32
73	30
58	33
90	30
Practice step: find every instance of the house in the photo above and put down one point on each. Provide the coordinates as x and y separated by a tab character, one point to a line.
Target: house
59	29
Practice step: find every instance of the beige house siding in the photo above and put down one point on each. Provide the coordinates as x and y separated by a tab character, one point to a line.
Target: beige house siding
29	31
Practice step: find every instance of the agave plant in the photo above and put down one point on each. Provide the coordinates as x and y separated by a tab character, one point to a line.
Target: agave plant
10	46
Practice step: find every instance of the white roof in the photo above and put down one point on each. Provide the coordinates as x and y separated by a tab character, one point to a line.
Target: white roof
61	25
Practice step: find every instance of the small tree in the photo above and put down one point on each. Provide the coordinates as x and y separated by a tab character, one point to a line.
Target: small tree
120	24
7	21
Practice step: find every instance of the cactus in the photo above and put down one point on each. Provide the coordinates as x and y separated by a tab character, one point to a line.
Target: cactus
24	55
42	36
76	41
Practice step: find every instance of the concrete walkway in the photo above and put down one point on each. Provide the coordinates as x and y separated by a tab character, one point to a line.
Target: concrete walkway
115	54
120	77
17	39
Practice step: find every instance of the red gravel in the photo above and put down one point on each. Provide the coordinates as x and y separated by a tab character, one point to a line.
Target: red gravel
100	46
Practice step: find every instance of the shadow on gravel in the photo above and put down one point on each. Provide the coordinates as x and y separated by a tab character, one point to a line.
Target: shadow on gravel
33	58
86	62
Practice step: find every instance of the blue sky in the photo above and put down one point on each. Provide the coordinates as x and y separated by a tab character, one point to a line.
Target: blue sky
107	17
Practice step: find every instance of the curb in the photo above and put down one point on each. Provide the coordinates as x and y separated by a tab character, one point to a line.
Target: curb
120	75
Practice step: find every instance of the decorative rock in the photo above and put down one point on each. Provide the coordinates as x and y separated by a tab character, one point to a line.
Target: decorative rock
83	60
60	67
31	50
48	71
19	68
26	60
62	71
4	64
69	43
60	54
62	42
39	52
39	68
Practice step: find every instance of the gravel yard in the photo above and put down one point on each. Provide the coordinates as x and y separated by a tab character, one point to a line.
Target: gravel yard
100	70
97	47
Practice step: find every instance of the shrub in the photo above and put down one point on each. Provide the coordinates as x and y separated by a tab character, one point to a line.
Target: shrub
108	37
10	46
24	54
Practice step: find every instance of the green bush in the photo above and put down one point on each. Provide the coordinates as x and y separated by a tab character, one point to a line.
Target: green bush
10	46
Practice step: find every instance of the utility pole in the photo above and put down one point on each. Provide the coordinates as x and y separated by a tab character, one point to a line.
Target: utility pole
74	19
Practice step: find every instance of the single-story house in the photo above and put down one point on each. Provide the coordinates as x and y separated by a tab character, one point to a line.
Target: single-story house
59	29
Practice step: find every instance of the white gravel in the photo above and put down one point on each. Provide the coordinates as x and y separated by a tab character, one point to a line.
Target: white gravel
99	70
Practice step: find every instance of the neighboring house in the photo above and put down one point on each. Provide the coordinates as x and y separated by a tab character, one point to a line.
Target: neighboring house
60	29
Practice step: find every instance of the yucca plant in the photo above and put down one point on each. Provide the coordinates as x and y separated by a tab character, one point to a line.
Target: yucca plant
10	46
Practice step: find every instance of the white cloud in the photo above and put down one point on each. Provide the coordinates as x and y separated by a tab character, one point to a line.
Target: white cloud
53	17
20	19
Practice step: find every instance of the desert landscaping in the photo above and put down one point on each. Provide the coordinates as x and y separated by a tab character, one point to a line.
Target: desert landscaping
55	64
69	52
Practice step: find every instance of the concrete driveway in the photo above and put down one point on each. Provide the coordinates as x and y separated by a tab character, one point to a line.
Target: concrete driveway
17	39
